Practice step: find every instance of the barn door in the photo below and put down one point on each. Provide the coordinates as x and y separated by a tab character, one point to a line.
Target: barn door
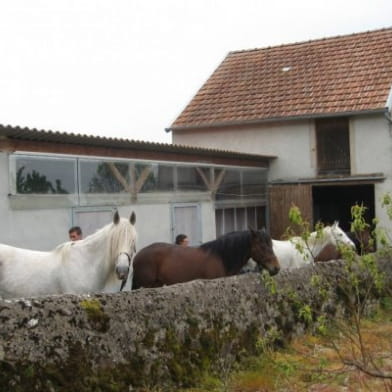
186	220
281	198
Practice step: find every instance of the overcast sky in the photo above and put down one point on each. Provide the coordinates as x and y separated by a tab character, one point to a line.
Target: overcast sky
127	68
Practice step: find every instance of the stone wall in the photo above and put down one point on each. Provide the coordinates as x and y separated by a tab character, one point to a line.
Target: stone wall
167	336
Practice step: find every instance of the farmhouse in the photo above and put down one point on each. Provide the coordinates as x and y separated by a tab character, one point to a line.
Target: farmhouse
52	181
323	107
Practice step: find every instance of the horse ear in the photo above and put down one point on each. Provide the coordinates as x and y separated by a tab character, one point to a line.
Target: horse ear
132	218
116	218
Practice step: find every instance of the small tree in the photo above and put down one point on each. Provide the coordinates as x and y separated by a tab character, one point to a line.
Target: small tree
360	281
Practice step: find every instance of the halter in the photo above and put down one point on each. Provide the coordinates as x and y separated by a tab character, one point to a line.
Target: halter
124	281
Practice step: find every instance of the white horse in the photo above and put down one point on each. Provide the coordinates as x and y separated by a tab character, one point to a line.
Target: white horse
295	252
99	263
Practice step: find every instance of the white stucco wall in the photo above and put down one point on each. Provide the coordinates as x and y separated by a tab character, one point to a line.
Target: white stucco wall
154	222
371	140
40	229
291	142
40	225
372	145
295	147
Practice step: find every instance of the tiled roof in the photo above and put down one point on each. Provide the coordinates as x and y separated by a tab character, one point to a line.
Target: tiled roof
344	74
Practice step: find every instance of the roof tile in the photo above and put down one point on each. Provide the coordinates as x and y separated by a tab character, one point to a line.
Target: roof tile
331	75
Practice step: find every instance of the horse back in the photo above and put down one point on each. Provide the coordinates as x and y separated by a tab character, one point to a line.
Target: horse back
165	264
329	252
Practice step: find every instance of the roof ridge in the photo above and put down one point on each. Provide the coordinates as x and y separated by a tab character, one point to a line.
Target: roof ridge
310	41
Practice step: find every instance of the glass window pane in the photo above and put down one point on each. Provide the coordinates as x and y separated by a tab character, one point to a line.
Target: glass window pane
190	178
102	176
229	220
159	178
230	187
219	222
165	178
241	219
254	183
44	175
260	213
251	218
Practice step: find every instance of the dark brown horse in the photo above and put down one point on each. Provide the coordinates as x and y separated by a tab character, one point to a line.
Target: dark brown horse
165	264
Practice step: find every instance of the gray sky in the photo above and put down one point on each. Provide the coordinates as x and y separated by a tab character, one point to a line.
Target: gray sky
127	68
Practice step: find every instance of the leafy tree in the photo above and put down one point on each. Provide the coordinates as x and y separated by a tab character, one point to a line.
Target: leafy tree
35	182
361	281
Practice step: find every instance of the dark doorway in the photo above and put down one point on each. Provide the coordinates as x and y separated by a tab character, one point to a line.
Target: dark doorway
333	203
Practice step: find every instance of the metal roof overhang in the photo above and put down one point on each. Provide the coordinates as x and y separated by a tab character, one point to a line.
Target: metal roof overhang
138	148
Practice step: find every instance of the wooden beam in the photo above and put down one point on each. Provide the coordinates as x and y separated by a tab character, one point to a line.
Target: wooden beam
206	181
142	178
119	177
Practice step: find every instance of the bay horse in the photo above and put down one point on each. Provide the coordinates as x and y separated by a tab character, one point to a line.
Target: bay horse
162	264
99	263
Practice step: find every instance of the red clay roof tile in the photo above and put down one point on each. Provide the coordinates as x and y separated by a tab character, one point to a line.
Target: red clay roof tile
342	74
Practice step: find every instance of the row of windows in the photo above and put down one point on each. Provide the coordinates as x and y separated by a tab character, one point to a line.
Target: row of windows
239	218
59	175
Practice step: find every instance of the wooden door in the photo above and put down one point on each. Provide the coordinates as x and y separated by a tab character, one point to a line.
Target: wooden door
281	198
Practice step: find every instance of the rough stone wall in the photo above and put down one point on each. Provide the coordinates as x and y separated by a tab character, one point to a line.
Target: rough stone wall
165	336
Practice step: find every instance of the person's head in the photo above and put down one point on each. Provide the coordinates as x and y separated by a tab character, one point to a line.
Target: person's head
182	239
75	233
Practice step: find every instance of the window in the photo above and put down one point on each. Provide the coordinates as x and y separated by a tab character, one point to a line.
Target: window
189	178
43	175
254	184
102	176
159	178
230	187
90	181
242	184
333	146
239	218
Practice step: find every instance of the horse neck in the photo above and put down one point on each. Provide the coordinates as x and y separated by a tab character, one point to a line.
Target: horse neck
233	249
97	245
316	244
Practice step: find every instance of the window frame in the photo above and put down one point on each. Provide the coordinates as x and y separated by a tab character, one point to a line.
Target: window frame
336	132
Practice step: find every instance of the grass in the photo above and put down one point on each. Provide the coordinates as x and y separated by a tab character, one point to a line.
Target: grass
314	363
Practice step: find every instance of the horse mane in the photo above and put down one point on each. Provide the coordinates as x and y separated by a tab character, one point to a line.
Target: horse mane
120	232
326	230
117	232
231	248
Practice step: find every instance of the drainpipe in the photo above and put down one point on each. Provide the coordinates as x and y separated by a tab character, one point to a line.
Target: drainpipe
388	111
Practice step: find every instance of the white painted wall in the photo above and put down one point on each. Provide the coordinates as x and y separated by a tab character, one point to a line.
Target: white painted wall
294	144
37	227
291	142
373	145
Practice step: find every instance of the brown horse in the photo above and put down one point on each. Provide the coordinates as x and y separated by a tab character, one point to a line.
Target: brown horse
328	253
165	264
362	241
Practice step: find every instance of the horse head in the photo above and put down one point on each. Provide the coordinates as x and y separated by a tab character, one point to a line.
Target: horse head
262	252
338	237
123	245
